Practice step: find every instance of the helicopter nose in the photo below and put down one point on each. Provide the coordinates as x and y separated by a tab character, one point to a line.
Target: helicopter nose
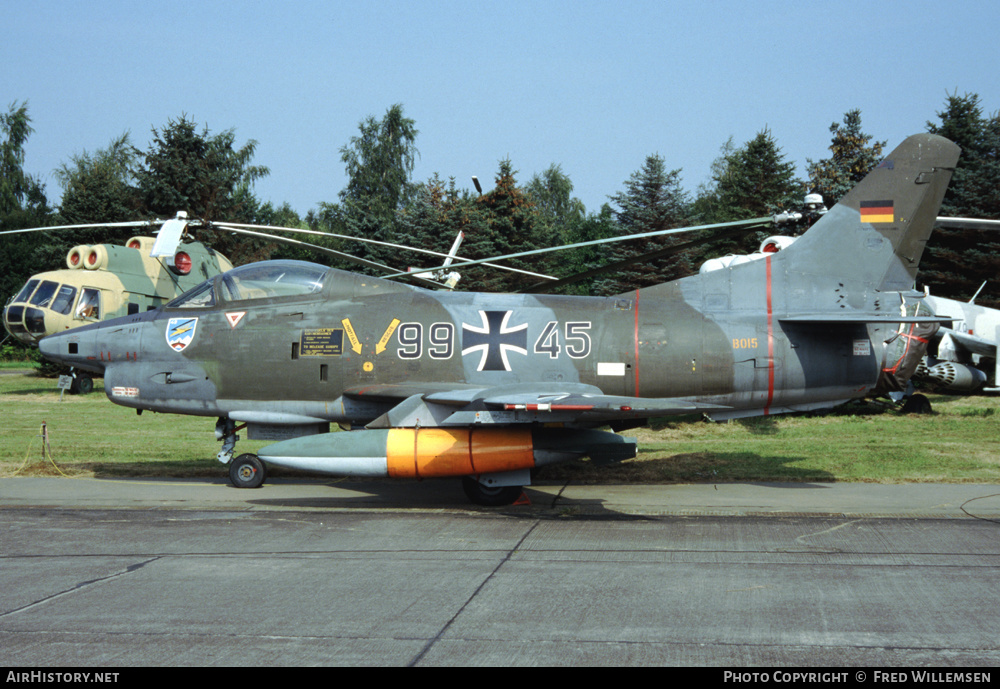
24	322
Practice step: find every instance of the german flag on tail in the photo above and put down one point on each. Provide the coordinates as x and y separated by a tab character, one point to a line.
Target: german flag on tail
877	211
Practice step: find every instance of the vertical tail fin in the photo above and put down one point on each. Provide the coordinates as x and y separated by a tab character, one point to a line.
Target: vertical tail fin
876	234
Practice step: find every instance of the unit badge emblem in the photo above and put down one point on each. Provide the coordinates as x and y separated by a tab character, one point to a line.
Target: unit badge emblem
180	332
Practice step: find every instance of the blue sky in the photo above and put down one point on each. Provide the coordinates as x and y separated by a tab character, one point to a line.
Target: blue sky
593	86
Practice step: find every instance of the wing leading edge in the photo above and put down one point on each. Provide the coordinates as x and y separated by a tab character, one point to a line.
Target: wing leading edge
570	404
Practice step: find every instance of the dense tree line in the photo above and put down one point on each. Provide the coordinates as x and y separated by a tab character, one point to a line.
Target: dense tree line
212	177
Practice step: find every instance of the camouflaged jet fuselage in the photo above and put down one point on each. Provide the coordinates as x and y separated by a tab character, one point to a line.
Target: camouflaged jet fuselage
295	345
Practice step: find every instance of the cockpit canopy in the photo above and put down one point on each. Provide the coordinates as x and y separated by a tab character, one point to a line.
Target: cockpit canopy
265	280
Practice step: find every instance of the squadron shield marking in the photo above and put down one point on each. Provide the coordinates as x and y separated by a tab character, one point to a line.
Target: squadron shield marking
180	332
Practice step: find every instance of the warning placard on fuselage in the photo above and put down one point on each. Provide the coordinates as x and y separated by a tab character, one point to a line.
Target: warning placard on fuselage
322	342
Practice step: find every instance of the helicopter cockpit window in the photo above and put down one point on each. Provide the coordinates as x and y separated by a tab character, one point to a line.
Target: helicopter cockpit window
64	299
201	296
26	291
272	279
43	295
89	305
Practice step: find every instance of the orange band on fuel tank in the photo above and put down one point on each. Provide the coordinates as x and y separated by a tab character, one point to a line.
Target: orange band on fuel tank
501	449
439	452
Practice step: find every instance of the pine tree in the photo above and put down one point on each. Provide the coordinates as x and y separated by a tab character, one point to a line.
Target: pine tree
208	177
379	162
505	221
957	262
752	181
652	200
852	157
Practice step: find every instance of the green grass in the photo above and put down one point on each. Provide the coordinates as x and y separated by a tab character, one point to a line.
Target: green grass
90	436
868	442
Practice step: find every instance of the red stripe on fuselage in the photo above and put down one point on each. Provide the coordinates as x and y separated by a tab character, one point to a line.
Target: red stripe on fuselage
770	340
636	393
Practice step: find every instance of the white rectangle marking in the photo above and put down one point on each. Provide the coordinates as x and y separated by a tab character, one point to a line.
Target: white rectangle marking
605	368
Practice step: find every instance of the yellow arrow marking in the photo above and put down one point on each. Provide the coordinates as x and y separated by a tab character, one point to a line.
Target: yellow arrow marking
381	346
352	336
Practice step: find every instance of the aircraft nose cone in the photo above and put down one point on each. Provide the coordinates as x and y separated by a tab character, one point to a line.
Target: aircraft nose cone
49	347
24	322
79	348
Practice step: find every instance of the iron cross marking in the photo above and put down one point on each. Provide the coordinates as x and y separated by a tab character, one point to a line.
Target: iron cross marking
494	339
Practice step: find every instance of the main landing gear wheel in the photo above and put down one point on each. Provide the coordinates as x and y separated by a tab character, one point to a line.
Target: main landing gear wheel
490	496
82	385
917	404
247	471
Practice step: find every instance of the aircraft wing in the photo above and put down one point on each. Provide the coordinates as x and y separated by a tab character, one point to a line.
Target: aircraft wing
971	343
462	405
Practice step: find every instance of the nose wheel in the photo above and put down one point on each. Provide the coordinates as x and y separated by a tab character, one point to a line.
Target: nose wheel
247	471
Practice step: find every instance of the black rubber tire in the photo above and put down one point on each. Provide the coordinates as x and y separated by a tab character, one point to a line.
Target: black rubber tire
247	471
917	404
490	497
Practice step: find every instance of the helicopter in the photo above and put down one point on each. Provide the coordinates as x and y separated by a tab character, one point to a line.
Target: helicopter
105	281
486	387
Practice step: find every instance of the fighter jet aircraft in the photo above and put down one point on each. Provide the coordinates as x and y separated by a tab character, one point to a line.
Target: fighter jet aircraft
489	386
963	355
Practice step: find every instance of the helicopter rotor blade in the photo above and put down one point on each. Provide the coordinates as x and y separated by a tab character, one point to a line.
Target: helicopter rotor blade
365	240
968	223
544	287
748	224
325	250
133	223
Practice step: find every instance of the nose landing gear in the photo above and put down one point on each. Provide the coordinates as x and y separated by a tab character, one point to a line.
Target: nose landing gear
247	470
